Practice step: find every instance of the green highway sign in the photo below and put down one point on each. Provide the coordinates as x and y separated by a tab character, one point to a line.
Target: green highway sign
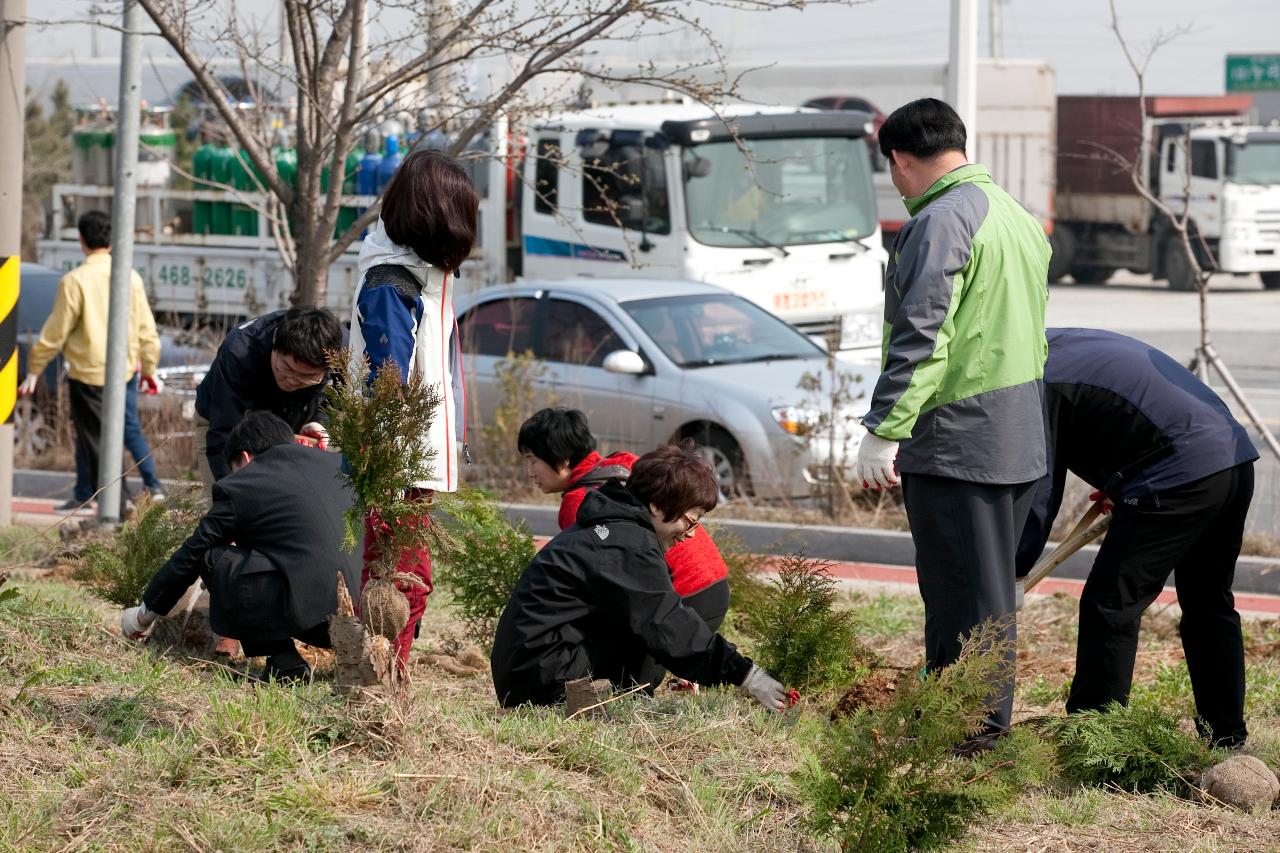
1253	73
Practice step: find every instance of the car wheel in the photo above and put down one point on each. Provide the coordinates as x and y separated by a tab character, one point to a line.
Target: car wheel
32	434
725	458
1271	280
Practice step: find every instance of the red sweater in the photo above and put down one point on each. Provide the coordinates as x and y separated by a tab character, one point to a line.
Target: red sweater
695	563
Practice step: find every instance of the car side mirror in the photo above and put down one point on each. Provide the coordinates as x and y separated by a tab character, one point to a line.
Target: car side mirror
624	361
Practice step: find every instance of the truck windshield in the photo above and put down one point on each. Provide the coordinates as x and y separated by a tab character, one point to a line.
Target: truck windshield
789	192
1255	163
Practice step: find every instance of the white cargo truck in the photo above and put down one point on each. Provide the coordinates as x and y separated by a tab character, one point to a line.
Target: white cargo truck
774	204
1197	153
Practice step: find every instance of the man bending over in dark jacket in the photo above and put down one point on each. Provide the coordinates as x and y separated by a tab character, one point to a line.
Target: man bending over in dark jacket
598	600
1150	437
282	507
274	363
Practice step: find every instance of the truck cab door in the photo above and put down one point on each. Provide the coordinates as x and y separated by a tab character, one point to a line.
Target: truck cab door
1194	183
546	209
628	225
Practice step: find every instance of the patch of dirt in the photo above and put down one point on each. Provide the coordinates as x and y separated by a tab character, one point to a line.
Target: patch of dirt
874	690
468	662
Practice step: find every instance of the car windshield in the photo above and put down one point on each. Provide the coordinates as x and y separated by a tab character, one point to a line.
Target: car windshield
699	331
790	192
1256	163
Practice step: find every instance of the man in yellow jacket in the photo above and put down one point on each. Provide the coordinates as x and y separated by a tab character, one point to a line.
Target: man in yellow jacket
77	328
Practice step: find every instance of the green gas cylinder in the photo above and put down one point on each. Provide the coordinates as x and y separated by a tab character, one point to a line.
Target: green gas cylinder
244	219
201	167
221	171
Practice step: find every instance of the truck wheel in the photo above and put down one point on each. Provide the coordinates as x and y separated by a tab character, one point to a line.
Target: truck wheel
1177	269
1087	274
1063	243
1271	280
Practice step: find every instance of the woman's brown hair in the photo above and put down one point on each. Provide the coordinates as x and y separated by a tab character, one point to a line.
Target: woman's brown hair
430	206
675	478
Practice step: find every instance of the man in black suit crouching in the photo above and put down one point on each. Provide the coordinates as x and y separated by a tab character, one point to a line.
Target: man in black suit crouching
269	549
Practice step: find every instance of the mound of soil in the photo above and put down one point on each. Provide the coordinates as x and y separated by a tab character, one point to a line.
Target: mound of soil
874	690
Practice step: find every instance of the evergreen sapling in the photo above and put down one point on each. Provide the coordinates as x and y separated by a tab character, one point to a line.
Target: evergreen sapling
378	425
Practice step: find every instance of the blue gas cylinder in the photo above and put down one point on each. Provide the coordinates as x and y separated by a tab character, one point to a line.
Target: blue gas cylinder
390	162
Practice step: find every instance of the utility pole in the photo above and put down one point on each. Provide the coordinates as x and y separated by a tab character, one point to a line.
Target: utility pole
995	22
962	67
13	107
123	209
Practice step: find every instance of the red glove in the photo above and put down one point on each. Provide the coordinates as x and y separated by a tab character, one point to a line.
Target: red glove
317	433
151	384
1099	498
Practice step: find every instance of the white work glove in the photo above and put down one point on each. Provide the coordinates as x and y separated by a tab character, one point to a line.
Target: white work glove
135	620
765	689
875	462
28	385
151	384
317	431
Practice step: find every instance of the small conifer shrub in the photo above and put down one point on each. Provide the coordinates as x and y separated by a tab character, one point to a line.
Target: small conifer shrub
1137	748
798	633
888	779
482	560
118	570
379	427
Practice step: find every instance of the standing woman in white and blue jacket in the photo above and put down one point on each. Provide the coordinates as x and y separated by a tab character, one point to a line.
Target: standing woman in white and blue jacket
403	311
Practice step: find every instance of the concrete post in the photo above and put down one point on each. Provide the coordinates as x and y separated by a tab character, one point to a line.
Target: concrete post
962	67
13	106
123	215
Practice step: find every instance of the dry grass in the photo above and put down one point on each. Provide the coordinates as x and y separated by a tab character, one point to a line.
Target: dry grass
104	746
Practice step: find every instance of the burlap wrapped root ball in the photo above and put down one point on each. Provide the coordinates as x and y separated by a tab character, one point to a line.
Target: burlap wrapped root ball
384	610
1242	781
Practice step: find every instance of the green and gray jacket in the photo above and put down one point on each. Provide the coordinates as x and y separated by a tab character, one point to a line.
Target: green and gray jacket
964	344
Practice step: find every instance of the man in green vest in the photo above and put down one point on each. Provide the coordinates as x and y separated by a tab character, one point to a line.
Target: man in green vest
957	412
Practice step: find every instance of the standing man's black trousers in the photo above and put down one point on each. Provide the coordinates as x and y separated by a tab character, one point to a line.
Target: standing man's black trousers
966	537
86	417
1195	532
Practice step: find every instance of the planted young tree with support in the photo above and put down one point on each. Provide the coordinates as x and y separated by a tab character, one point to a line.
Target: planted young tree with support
378	427
1195	253
352	63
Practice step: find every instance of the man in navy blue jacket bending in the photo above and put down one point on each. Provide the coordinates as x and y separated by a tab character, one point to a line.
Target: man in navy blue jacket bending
1164	449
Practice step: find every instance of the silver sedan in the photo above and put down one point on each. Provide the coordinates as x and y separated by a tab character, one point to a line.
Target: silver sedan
653	361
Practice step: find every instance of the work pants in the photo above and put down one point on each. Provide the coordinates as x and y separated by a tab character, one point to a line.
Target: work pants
282	652
86	419
135	441
202	457
1194	531
966	538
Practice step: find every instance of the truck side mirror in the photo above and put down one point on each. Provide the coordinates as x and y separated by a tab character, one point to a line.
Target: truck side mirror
698	167
624	361
633	211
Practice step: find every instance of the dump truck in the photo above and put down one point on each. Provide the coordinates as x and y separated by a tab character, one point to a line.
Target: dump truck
1199	154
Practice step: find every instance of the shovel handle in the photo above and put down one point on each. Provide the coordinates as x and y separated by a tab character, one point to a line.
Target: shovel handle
1087	529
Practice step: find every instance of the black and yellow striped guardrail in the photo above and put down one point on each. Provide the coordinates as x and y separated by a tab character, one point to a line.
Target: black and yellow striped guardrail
9	269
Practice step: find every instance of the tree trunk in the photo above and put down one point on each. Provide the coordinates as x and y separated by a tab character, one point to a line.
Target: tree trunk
310	276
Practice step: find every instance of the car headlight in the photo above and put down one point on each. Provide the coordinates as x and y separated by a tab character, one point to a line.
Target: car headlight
861	329
797	420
